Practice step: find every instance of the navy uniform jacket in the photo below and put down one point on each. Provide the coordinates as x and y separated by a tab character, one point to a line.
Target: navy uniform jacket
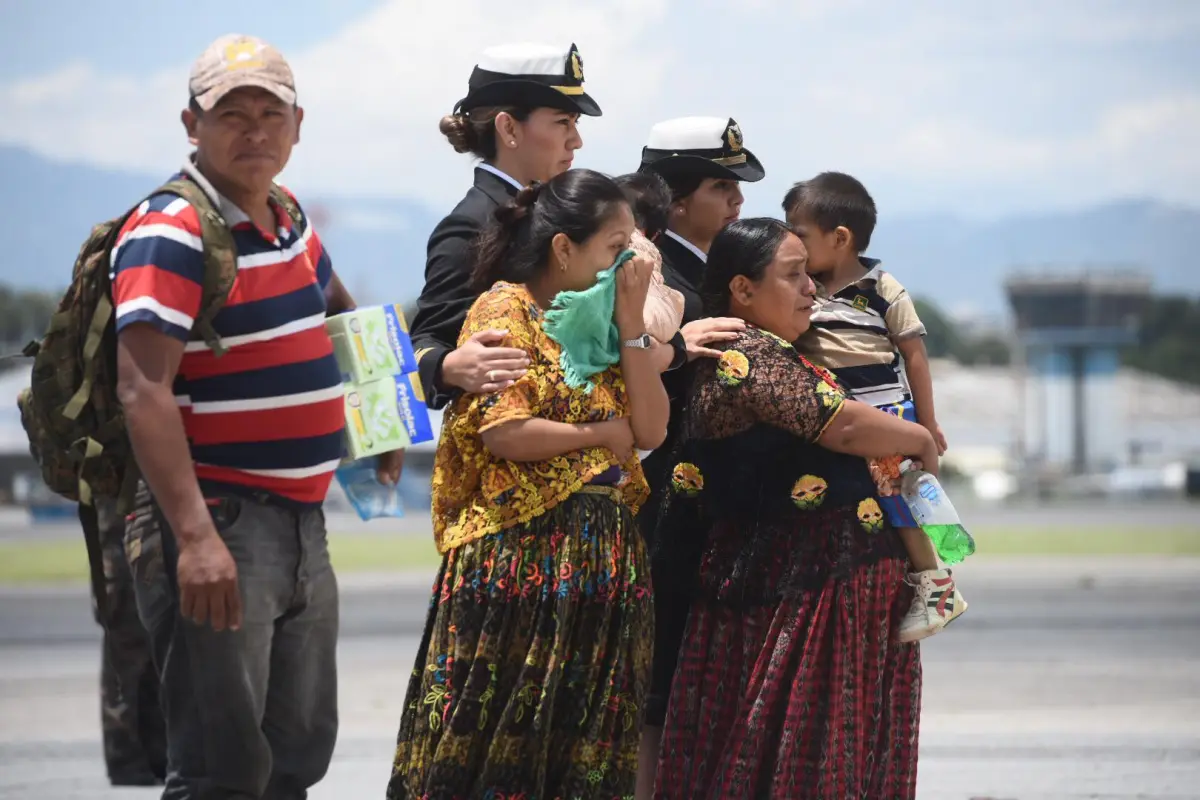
448	292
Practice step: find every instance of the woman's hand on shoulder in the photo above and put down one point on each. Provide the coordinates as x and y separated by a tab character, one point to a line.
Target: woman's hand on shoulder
700	333
483	365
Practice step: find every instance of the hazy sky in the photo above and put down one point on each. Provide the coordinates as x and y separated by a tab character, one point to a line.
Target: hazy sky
980	108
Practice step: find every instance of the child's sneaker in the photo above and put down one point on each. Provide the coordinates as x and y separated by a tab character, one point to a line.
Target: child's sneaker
936	603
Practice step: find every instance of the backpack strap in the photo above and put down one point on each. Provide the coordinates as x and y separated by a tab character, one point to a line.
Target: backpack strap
286	202
220	252
220	258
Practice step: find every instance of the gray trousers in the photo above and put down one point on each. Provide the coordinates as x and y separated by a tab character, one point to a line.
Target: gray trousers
251	714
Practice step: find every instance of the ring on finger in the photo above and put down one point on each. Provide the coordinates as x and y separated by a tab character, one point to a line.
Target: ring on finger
491	376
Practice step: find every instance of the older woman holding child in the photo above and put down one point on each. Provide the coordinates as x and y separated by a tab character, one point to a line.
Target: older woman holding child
791	680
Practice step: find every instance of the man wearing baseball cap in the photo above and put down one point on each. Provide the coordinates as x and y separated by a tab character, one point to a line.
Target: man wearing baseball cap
236	62
233	403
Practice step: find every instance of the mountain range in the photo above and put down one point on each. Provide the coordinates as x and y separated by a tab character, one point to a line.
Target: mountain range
378	245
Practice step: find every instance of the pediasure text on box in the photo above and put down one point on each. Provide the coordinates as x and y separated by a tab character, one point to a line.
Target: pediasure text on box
384	415
371	343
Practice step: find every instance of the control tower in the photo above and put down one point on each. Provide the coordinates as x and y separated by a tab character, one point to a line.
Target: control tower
1070	328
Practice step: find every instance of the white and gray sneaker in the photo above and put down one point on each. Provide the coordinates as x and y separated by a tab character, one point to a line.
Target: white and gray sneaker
936	603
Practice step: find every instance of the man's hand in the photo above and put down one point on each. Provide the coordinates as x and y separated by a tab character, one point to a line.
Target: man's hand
481	366
208	582
147	362
697	335
389	467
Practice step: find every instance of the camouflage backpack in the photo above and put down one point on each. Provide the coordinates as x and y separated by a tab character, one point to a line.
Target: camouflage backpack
70	411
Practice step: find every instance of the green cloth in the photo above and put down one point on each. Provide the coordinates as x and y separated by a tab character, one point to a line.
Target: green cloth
582	323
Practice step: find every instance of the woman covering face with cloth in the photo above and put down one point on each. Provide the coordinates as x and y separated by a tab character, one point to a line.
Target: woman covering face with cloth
535	662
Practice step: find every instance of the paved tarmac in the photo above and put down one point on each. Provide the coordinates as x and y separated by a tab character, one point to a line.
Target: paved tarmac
1108	513
1068	678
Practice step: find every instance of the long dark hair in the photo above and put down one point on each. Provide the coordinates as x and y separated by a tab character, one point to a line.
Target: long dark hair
743	247
515	246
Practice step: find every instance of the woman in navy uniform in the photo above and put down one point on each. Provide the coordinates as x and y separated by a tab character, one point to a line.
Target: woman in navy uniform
520	118
704	161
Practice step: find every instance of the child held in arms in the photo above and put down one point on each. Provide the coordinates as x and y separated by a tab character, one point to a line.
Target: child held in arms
865	330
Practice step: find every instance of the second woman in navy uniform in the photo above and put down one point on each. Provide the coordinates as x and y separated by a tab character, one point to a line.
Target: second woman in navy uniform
704	162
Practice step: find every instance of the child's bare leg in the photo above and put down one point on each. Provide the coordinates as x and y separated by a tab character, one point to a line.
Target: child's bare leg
936	601
920	549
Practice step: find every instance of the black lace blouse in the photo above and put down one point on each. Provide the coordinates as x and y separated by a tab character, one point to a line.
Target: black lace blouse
756	504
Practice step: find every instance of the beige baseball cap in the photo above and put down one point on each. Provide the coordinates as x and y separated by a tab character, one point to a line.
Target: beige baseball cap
235	61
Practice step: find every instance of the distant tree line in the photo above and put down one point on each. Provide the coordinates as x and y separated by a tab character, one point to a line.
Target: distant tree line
944	338
24	315
1170	341
1170	337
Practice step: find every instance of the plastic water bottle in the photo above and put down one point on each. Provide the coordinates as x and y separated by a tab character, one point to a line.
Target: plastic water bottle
935	514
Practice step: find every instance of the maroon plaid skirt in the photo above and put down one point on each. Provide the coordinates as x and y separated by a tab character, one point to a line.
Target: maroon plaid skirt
811	697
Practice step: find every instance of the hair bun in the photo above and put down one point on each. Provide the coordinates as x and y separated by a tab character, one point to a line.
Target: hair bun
458	131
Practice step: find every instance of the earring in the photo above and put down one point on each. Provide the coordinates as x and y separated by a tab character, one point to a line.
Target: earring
562	264
512	143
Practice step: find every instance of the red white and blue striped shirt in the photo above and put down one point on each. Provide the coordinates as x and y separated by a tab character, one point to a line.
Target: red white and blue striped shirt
267	415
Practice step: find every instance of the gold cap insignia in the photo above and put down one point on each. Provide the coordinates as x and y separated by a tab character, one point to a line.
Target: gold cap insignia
575	63
733	135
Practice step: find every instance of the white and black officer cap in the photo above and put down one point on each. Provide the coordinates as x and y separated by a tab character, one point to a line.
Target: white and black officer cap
708	147
529	76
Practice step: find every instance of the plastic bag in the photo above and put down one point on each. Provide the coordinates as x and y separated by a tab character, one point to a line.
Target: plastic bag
370	498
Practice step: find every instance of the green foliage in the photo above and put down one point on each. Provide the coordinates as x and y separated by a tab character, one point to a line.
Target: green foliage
24	315
1169	343
945	339
1170	339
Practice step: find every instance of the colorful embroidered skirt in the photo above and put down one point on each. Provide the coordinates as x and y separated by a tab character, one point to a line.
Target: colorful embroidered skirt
808	697
535	663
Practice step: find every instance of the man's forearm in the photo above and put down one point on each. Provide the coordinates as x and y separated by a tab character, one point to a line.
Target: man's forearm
337	297
165	461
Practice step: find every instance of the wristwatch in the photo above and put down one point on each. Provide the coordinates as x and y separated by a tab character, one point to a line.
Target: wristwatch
642	342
